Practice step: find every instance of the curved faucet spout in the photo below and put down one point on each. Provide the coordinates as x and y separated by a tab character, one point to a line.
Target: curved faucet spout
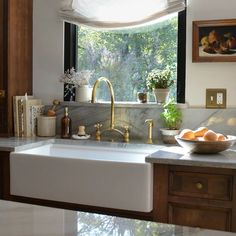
112	123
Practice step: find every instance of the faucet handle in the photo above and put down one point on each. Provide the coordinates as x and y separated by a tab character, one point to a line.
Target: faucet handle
126	127
150	125
149	122
126	134
98	131
98	126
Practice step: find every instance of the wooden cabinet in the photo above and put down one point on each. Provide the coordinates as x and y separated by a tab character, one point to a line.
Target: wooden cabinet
1	178
194	196
209	186
15	57
4	175
200	216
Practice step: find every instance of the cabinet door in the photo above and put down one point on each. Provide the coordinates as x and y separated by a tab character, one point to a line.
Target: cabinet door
3	79
209	186
200	216
1	177
15	56
4	175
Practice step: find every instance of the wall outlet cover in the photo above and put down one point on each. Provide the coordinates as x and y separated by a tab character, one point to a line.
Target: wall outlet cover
216	98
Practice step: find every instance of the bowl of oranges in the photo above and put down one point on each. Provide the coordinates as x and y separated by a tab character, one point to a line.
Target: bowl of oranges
203	140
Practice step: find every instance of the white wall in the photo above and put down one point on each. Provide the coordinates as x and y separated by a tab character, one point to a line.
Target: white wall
47	50
209	75
48	53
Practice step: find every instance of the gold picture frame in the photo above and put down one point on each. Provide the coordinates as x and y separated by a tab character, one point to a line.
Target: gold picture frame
214	41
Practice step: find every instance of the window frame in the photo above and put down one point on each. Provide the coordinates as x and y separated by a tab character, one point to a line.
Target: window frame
70	51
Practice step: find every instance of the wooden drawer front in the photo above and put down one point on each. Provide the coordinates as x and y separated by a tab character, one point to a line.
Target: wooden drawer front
204	217
209	186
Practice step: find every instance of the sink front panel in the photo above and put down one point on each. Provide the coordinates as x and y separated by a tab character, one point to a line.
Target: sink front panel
106	178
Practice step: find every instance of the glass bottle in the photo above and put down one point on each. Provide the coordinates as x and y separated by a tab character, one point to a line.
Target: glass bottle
66	125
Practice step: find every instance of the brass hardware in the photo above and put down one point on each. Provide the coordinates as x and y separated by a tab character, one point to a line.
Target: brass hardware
199	185
125	134
216	98
98	131
150	126
112	124
2	93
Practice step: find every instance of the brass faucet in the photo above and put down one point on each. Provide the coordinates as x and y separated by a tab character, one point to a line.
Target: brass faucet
124	134
150	126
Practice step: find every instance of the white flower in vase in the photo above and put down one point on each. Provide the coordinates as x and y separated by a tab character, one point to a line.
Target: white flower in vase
80	81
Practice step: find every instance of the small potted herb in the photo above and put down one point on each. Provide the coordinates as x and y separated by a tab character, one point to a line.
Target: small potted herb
172	118
160	82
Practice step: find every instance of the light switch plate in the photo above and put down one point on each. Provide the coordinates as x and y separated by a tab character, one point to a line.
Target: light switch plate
216	98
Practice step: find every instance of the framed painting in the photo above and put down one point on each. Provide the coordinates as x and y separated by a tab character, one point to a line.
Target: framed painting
214	41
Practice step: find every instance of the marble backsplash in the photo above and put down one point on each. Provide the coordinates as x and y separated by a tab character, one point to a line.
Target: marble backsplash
87	114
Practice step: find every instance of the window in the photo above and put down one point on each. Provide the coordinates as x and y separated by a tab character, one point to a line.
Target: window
125	57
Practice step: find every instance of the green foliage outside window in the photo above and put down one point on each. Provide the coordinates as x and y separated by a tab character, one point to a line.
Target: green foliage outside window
127	57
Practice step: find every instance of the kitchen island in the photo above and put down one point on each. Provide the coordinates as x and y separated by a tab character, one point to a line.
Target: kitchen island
17	219
188	189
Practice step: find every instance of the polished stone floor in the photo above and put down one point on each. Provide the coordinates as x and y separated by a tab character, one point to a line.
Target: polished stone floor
18	219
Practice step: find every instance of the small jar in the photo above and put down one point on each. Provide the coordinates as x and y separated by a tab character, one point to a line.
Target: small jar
46	126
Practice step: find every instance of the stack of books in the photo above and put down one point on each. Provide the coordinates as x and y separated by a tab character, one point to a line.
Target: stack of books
26	109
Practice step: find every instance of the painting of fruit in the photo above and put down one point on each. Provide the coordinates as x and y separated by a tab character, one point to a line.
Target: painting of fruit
218	41
214	40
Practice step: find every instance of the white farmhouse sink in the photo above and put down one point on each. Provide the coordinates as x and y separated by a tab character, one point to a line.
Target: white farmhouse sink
90	175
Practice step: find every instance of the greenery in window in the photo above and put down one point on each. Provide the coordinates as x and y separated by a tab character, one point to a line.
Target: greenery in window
127	57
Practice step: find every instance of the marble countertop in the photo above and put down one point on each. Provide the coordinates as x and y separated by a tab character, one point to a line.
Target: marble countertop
17	219
176	155
162	154
16	144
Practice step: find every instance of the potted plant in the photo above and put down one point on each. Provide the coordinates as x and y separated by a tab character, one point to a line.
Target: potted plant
79	80
172	118
160	82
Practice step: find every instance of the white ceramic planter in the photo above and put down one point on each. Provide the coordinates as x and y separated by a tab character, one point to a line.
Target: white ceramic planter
168	135
83	93
161	95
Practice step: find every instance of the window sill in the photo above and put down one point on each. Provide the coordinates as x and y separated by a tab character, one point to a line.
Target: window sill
120	104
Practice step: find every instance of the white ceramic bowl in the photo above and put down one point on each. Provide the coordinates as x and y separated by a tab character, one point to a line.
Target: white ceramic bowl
206	146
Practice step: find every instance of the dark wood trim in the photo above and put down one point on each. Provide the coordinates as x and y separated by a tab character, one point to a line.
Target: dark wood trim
200	201
207	170
70	55
85	208
181	57
233	223
16	57
70	48
4	67
1	177
4	175
160	193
